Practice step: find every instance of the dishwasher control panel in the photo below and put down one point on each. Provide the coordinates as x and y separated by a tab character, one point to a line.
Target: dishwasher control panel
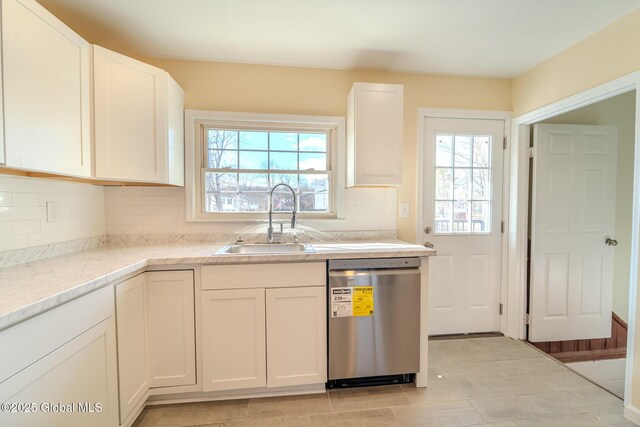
373	263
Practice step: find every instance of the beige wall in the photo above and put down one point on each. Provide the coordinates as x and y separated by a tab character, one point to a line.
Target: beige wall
290	90
608	54
620	112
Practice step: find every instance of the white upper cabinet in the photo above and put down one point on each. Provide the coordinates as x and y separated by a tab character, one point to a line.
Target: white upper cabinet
138	121
45	78
374	134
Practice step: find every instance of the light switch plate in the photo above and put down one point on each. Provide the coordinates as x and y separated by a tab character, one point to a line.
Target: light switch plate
404	210
53	210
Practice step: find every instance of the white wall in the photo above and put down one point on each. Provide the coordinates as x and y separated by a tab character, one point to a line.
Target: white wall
161	210
23	212
618	111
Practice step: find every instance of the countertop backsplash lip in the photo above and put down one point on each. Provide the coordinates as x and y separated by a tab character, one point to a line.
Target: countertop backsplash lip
36	253
29	289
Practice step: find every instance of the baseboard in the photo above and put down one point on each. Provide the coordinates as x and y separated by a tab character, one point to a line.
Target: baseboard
632	414
590	355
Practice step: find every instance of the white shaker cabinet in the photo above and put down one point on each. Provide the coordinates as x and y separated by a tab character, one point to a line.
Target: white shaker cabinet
171	328
233	339
133	365
64	356
263	325
374	134
138	112
46	84
296	336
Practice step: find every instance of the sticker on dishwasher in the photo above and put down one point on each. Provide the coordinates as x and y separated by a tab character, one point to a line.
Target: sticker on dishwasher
352	301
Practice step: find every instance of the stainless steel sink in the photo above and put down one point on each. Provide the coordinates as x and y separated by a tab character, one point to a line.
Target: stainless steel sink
265	248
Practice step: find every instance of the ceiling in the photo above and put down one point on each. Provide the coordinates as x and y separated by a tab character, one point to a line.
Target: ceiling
499	38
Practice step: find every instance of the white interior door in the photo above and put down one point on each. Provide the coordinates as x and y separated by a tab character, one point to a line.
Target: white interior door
462	204
572	216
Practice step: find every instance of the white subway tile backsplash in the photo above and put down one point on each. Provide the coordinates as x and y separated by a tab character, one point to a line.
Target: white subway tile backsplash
6	199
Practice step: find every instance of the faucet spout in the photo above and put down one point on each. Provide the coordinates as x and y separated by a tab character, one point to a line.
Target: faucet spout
270	232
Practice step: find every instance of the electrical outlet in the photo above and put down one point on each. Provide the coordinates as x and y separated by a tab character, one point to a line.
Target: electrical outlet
53	210
404	210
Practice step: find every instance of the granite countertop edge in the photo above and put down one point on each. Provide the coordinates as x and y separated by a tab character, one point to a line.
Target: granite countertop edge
30	289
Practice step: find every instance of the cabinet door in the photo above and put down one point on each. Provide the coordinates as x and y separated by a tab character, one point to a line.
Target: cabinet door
81	373
133	373
130	118
374	134
296	336
171	327
233	339
46	91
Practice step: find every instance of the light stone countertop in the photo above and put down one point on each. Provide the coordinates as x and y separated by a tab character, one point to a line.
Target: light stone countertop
27	290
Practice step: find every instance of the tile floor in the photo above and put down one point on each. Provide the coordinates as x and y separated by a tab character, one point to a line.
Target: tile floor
478	381
608	374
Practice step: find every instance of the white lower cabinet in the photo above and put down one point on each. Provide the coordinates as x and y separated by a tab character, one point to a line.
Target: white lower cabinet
233	339
271	333
156	335
59	368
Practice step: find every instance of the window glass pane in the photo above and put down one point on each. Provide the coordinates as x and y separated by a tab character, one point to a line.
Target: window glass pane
284	141
314	202
444	183
253	159
223	159
220	202
313	161
282	201
461	217
253	182
481	184
222	139
443	150
253	140
443	217
480	217
280	160
313	142
253	202
462	184
462	147
215	182
482	151
284	178
314	183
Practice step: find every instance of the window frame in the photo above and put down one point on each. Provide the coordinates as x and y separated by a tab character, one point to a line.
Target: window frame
196	123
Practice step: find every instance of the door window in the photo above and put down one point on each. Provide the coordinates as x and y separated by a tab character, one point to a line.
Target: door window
462	184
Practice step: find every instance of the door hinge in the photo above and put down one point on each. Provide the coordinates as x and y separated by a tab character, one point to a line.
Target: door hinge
504	142
500	309
531	152
527	319
501	226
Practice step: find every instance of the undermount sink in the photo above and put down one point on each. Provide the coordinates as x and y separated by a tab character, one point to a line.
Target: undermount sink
265	248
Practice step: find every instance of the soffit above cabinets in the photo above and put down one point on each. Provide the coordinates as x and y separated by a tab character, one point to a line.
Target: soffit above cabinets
464	37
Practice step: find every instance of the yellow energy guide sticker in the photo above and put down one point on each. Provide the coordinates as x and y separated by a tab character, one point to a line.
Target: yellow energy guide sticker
362	301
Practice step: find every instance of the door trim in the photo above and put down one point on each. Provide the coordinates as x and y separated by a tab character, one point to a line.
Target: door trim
516	222
439	113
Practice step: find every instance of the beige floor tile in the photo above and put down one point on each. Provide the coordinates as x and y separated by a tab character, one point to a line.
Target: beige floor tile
509	408
450	391
559	381
270	407
505	386
367	398
537	366
614	386
441	415
504	424
580	420
193	413
369	417
468	370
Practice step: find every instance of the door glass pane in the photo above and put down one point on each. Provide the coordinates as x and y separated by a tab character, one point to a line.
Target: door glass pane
463	183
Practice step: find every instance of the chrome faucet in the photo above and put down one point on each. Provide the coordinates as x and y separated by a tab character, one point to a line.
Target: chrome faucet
270	232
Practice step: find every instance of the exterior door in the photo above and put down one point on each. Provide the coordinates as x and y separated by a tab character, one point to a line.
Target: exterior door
462	204
573	213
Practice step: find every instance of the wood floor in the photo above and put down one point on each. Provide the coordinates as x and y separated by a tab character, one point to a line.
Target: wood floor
478	381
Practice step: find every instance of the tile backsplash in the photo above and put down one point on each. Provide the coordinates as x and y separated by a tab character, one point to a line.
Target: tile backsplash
161	210
23	212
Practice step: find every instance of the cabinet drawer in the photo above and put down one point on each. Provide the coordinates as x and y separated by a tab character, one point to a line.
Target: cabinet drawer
283	275
37	337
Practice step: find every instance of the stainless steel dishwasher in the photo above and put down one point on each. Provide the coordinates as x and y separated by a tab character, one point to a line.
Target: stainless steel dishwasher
374	320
